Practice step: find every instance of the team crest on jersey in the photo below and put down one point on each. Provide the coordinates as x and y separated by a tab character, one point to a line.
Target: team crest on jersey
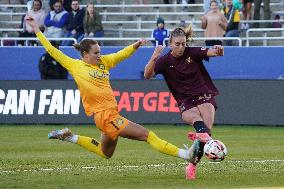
98	74
101	66
188	60
203	48
119	122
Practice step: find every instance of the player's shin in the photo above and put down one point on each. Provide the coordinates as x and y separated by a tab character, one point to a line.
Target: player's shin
162	145
91	145
166	147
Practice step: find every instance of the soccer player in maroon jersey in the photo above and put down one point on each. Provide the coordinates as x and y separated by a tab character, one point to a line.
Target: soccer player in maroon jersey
190	85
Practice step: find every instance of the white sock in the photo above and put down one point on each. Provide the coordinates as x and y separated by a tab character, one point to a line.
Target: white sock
184	154
74	139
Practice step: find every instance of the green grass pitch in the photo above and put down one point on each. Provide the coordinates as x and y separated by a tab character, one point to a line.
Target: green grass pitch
29	160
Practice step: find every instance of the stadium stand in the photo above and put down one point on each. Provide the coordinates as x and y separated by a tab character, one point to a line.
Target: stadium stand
125	19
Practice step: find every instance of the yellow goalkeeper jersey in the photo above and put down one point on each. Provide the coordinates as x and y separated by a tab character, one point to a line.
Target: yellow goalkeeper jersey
92	80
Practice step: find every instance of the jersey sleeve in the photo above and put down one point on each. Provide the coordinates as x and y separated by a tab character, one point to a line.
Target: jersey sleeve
200	53
159	64
111	60
64	60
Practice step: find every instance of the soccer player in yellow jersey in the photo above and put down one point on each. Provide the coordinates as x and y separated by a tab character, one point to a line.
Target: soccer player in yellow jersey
91	75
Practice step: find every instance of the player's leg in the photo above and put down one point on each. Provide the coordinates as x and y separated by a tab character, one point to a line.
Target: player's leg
137	132
108	145
105	122
88	143
207	111
193	116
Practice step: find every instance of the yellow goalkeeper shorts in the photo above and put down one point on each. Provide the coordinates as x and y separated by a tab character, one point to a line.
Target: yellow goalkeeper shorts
110	122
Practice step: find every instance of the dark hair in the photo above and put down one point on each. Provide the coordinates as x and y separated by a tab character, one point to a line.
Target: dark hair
213	1
160	21
85	46
182	32
39	3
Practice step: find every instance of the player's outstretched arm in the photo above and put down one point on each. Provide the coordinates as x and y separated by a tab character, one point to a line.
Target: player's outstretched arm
123	54
217	50
139	43
149	68
60	57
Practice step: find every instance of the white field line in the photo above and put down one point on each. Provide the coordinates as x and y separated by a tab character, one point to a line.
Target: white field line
132	166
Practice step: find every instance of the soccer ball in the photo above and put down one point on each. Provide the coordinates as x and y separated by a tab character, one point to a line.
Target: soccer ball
215	150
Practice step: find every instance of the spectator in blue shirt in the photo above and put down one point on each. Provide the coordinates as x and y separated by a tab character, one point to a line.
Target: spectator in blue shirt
160	33
75	23
56	20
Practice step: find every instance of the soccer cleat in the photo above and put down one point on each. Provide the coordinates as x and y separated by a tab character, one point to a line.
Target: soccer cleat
62	134
190	171
193	152
203	137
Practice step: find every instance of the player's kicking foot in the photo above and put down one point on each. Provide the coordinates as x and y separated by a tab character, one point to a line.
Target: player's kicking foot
62	134
203	137
193	152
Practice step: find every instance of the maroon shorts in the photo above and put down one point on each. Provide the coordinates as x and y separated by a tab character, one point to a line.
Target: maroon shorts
197	100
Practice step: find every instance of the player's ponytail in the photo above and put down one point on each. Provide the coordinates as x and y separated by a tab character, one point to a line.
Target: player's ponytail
180	32
188	33
85	46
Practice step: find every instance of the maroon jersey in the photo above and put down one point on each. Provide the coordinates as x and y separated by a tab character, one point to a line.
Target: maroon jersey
186	76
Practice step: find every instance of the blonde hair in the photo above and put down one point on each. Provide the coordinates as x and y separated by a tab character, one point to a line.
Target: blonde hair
85	46
180	32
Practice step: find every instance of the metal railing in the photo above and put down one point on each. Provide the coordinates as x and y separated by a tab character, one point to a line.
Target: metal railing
27	39
102	39
239	40
124	5
264	38
11	29
130	39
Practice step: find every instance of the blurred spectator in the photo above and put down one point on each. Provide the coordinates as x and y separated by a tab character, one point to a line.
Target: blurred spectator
65	3
277	23
266	7
233	17
56	21
92	23
206	5
38	14
247	4
237	4
49	68
160	33
75	23
214	23
51	3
